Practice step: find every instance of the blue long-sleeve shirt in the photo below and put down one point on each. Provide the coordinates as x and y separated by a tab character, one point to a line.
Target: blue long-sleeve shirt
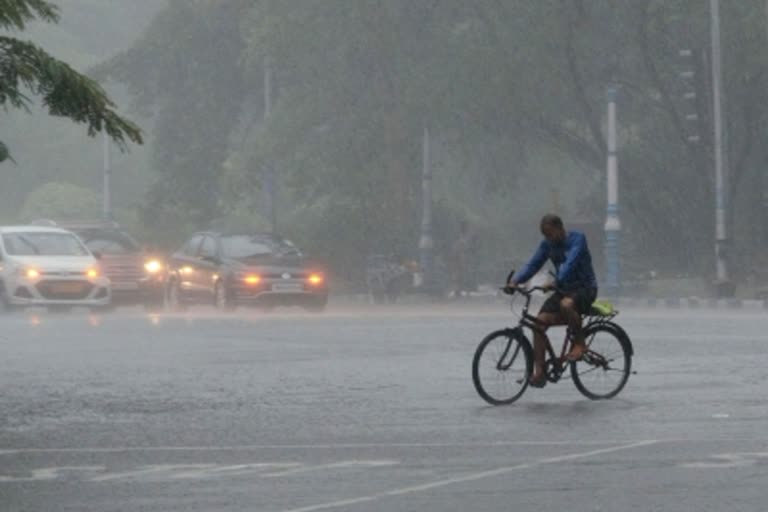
572	260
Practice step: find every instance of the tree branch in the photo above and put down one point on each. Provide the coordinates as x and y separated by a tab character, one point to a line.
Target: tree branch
571	143
592	120
64	91
653	73
16	13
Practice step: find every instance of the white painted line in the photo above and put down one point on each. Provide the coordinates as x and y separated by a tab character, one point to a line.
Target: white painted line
53	473
146	472
467	478
122	449
335	465
233	470
728	461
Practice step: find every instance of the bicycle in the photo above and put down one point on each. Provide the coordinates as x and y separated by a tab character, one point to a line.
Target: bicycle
600	374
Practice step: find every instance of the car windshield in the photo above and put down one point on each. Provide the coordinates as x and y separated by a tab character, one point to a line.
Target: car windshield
246	246
112	244
43	244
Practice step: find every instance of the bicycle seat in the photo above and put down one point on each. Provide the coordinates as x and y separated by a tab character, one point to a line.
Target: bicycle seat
601	308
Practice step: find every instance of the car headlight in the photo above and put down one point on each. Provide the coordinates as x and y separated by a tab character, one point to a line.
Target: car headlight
92	273
251	279
30	273
153	266
315	279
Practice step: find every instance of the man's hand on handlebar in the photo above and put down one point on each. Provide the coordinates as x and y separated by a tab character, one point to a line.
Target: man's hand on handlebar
511	288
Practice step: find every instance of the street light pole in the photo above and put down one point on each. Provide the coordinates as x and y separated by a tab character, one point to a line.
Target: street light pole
270	187
107	179
612	222
426	243
721	195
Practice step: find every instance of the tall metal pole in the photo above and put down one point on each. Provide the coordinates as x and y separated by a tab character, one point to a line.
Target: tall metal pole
270	186
612	222
107	179
721	196
426	243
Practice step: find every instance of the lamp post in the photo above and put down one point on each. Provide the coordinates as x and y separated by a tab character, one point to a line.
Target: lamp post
270	185
612	222
721	192
426	242
107	180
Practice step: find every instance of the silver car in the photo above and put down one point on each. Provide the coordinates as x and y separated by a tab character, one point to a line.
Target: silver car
48	266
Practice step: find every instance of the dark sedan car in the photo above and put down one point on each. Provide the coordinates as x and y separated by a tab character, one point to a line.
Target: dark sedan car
137	276
226	270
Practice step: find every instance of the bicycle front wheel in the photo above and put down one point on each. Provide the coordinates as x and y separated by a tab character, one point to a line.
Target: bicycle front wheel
604	370
502	364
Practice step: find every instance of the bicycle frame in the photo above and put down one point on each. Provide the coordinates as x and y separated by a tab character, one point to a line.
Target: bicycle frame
554	365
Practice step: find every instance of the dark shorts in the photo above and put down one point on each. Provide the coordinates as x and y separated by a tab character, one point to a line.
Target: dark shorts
583	297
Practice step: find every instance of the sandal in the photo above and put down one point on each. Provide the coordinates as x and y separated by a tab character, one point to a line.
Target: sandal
573	358
538	383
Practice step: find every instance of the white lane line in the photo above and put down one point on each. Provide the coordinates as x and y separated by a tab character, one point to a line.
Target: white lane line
467	478
157	470
728	461
120	449
53	473
334	465
237	470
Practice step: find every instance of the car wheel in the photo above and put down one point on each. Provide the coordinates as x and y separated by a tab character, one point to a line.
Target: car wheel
223	298
173	300
5	307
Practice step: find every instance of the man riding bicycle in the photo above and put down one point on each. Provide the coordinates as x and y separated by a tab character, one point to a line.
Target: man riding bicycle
575	285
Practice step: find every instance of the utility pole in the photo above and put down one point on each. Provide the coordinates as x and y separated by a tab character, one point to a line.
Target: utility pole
107	179
612	222
721	192
270	186
426	243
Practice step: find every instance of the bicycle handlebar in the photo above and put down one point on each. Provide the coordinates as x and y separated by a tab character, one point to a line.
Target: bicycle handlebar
527	293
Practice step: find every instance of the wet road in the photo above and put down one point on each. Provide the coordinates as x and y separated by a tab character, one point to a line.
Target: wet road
369	411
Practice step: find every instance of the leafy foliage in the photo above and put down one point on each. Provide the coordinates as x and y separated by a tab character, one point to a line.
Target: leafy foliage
61	201
513	93
27	69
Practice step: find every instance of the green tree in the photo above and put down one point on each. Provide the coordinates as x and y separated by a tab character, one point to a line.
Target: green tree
25	68
60	201
185	69
514	95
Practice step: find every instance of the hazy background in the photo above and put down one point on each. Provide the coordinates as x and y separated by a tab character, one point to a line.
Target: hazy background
513	93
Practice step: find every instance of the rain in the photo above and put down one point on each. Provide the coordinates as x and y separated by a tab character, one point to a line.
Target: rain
365	255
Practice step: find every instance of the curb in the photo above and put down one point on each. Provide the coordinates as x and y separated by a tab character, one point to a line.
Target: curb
620	302
690	303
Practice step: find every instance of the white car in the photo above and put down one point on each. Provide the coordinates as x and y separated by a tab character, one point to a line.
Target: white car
47	266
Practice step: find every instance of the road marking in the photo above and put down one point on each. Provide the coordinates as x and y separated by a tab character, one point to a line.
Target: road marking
52	473
335	465
467	478
235	470
165	472
322	446
156	471
204	471
728	461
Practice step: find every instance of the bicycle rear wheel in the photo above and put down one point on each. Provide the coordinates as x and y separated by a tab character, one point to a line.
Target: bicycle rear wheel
604	370
502	364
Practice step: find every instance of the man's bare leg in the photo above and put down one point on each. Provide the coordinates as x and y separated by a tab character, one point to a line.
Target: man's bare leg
545	321
573	318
